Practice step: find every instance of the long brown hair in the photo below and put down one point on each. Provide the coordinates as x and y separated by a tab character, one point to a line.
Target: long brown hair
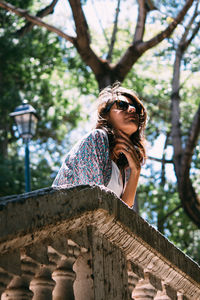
106	98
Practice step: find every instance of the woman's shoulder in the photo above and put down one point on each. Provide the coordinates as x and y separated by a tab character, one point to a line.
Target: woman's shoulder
97	133
96	136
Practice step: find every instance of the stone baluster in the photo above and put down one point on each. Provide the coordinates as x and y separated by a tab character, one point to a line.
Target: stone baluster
64	274
18	289
132	281
64	277
167	293
5	278
54	258
83	285
42	285
132	278
29	267
144	289
19	286
180	296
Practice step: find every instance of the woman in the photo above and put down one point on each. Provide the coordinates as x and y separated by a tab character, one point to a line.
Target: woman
112	154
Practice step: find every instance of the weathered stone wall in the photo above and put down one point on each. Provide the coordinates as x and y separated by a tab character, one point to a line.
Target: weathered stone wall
84	243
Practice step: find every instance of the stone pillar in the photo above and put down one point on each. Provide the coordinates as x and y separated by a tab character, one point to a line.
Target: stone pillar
180	296
167	293
18	289
64	277
83	285
144	290
64	274
132	281
132	278
109	269
5	278
29	267
42	285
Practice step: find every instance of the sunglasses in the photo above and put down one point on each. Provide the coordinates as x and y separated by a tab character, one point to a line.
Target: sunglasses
124	106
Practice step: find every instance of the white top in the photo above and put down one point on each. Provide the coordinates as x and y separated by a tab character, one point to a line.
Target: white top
116	184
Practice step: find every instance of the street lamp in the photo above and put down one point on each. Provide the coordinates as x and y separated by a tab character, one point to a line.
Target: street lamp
26	120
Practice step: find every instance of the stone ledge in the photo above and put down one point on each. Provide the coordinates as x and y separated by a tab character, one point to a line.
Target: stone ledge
43	214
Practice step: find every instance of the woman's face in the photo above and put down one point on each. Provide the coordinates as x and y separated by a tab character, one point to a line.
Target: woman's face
125	120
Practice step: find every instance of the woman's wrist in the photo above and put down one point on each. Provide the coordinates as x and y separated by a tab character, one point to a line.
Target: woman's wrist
135	172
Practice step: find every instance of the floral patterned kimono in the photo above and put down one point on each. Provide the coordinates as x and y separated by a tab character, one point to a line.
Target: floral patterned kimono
89	162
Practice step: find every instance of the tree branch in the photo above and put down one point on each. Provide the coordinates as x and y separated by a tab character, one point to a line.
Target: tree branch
182	46
163	219
37	21
175	112
149	5
161	160
195	31
136	50
188	27
40	14
82	30
168	31
195	127
142	13
191	143
183	157
113	39
163	179
81	43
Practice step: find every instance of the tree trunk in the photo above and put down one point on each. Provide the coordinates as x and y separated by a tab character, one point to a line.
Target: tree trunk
183	155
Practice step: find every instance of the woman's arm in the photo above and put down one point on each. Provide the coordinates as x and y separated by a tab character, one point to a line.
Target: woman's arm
124	145
130	191
87	162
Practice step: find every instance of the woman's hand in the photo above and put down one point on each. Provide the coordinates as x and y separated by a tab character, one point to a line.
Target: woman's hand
124	145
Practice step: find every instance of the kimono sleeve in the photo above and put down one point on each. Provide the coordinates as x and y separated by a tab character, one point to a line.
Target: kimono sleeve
87	163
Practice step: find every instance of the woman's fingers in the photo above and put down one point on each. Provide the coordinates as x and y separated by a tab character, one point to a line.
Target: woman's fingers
130	153
125	142
125	146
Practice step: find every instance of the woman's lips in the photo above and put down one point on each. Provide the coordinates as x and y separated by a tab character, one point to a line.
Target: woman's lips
134	118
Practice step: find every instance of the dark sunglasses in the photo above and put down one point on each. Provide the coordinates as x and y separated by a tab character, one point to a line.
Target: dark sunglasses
123	105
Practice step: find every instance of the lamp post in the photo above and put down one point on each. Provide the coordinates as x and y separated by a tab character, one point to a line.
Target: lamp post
26	120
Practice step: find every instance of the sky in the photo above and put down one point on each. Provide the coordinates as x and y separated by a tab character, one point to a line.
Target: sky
99	13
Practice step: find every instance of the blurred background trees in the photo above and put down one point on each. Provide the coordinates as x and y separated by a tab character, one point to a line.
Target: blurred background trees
80	47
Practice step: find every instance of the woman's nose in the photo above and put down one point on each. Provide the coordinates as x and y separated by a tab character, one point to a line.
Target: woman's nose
131	109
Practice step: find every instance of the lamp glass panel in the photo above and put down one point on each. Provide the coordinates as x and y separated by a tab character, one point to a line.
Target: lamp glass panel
18	120
33	124
23	124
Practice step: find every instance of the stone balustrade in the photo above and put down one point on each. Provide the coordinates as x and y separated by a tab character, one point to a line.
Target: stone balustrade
83	243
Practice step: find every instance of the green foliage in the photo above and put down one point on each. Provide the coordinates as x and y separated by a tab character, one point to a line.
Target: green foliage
79	74
163	211
12	179
12	175
32	67
169	7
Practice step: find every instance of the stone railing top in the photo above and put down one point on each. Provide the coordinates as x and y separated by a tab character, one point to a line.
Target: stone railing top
47	213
